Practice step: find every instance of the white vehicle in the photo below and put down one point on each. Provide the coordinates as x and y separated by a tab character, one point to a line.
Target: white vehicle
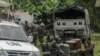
14	41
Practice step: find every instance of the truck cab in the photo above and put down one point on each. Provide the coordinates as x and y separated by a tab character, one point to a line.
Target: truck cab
14	41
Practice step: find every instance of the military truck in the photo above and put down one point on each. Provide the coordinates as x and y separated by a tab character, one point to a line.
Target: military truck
72	20
73	26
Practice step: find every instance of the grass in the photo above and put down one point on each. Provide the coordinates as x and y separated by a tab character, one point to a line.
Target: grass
96	40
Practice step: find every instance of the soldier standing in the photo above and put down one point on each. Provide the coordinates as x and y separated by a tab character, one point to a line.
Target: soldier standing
35	27
26	27
41	32
48	37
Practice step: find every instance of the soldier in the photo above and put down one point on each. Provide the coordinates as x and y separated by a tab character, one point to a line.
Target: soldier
41	32
55	50
90	47
26	27
48	37
46	49
35	27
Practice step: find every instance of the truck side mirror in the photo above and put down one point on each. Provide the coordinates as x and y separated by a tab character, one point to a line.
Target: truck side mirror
30	38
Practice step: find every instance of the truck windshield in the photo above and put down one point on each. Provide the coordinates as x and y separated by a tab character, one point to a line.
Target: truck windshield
12	33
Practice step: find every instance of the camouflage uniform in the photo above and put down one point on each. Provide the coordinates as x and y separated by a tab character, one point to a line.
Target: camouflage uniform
35	27
48	38
26	27
41	32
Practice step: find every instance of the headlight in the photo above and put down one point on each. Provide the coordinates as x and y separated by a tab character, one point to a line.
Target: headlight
2	52
35	53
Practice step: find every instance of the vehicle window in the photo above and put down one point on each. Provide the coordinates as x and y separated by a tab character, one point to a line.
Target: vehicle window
12	32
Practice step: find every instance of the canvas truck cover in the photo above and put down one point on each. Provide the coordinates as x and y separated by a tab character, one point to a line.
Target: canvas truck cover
72	12
23	16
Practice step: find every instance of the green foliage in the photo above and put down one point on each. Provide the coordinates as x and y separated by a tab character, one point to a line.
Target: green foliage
96	40
39	6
